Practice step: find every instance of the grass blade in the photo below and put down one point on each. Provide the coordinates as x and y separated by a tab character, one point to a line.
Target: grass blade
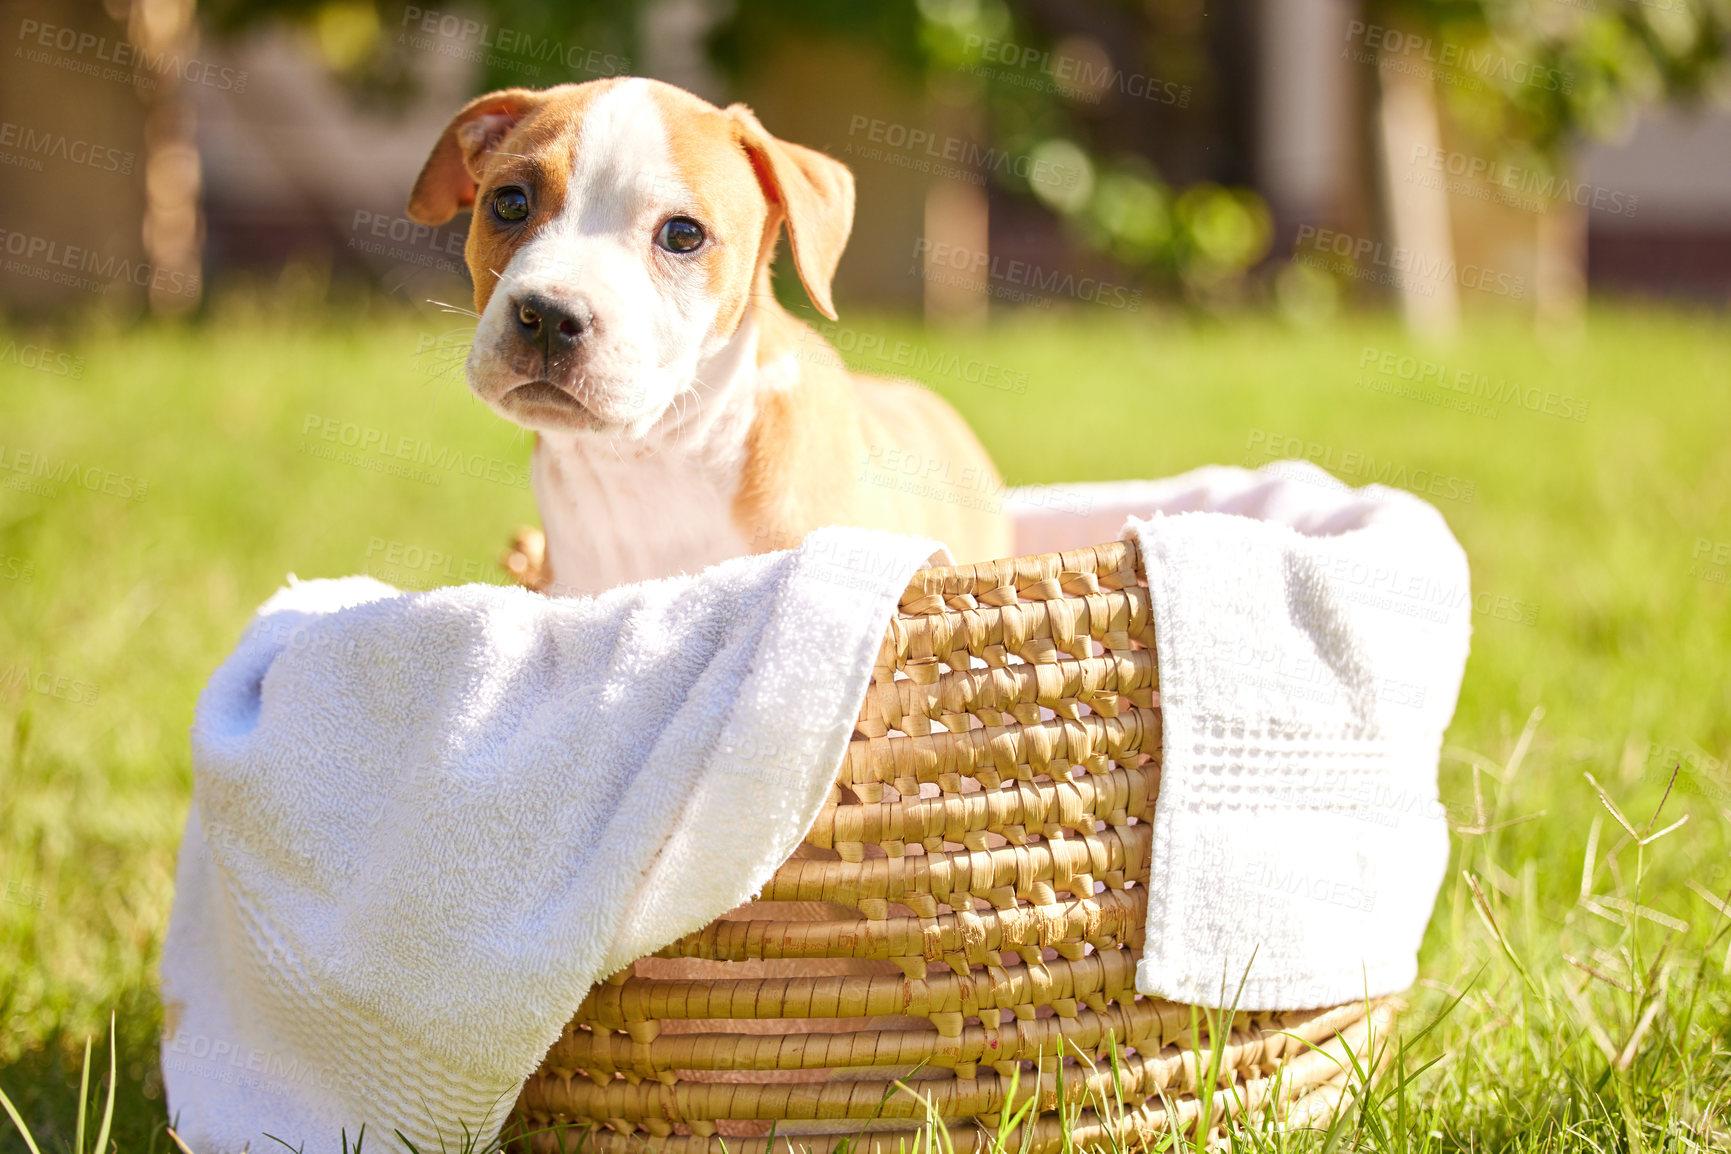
83	1099
108	1107
23	1130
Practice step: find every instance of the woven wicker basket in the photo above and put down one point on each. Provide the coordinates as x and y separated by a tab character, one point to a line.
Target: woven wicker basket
967	909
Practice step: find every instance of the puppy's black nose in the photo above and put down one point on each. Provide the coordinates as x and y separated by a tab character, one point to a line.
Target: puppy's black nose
550	324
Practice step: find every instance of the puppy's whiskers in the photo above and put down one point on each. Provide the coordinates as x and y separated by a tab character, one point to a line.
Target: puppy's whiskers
697	399
446	306
448	351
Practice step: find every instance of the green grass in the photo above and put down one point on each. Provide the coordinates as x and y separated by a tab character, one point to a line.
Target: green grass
1584	535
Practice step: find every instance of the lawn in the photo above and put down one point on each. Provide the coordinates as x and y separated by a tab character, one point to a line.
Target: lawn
1588	476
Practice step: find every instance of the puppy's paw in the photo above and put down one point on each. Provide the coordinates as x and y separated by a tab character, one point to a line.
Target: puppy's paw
526	559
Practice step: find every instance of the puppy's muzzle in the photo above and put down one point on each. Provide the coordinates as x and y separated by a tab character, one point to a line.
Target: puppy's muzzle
555	327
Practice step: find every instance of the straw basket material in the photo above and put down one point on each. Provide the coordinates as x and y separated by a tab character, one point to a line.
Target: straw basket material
964	917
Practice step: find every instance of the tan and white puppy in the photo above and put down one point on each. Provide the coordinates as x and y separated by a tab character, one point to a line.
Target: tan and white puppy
620	245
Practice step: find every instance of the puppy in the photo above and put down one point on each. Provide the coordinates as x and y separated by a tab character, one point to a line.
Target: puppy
620	245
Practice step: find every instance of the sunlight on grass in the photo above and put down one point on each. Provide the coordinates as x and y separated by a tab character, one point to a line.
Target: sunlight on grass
1574	973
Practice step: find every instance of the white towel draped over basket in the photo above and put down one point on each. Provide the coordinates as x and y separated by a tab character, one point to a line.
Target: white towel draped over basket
424	824
1312	640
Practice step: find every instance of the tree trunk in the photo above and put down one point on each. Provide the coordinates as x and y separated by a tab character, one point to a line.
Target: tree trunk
173	232
1418	221
1560	266
957	220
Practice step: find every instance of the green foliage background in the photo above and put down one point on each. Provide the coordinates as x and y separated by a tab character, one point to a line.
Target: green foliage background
1596	60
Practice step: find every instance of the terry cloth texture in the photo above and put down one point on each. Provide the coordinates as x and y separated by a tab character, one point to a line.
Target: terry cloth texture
423	825
1312	639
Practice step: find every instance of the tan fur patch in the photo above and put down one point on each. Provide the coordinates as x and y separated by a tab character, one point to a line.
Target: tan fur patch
537	154
713	164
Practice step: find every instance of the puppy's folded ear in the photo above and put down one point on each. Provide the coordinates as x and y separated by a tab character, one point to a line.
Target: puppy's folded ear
447	180
815	195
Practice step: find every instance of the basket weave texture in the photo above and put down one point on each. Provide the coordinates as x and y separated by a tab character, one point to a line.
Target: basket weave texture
966	914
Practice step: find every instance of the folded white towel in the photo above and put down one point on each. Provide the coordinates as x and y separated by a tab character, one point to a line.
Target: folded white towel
424	824
1311	643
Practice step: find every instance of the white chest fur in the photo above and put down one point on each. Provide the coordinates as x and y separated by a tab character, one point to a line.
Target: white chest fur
615	518
616	512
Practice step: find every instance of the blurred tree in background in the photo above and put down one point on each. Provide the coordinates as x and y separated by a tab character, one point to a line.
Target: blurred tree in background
1581	67
1591	62
1525	83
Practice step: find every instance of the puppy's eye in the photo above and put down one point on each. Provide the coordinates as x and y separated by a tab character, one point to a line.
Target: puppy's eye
511	204
680	234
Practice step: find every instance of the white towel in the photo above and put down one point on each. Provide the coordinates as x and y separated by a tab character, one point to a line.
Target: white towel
424	824
1311	644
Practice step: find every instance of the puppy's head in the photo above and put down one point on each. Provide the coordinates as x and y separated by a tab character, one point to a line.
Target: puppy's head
619	227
